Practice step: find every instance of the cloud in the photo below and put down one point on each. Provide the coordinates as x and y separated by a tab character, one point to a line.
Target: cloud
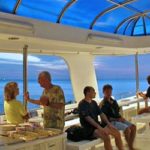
48	65
10	62
99	63
18	57
105	23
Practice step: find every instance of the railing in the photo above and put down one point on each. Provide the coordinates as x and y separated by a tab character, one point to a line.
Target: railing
122	102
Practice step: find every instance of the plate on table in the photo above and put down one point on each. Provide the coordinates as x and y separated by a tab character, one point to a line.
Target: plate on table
41	133
26	136
53	131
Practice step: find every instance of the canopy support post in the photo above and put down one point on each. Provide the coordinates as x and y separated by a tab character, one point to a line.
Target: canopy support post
137	78
25	71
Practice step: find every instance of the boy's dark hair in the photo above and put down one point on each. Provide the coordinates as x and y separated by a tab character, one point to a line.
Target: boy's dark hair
107	86
87	89
148	79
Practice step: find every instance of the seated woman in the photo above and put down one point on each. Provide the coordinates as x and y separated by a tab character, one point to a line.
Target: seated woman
145	96
14	110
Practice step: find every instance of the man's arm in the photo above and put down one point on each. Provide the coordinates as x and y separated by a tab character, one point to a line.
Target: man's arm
96	125
119	117
34	101
104	118
27	98
93	122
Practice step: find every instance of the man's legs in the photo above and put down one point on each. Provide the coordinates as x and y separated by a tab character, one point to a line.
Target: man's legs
116	134
132	136
129	131
105	137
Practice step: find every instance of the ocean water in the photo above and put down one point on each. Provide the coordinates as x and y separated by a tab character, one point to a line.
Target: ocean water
121	89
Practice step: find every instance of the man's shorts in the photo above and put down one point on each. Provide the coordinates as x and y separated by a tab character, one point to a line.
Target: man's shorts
121	125
89	131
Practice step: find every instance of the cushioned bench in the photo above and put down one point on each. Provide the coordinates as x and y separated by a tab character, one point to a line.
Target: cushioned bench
83	145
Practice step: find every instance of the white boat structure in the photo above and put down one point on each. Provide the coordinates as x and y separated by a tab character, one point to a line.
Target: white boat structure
78	47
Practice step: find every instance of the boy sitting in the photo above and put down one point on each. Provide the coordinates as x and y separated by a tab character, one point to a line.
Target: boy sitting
110	107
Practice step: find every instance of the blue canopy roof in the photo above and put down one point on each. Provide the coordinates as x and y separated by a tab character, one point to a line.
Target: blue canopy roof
126	17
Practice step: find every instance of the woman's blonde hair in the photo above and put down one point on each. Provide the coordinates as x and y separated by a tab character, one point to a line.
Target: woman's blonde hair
10	91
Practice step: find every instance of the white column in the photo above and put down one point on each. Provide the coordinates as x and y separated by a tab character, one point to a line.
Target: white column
82	73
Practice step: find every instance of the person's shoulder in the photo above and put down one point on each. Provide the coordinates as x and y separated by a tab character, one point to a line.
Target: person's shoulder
15	103
94	102
102	103
57	87
83	105
114	100
5	103
82	102
18	102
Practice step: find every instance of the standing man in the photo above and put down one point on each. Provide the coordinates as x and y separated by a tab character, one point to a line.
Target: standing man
110	107
53	101
88	113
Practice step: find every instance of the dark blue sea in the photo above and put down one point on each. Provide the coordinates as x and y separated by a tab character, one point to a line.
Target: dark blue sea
121	89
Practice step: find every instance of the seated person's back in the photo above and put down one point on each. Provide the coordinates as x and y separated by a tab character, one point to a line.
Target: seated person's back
14	110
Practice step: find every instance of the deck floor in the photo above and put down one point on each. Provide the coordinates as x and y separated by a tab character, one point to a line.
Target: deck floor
140	144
